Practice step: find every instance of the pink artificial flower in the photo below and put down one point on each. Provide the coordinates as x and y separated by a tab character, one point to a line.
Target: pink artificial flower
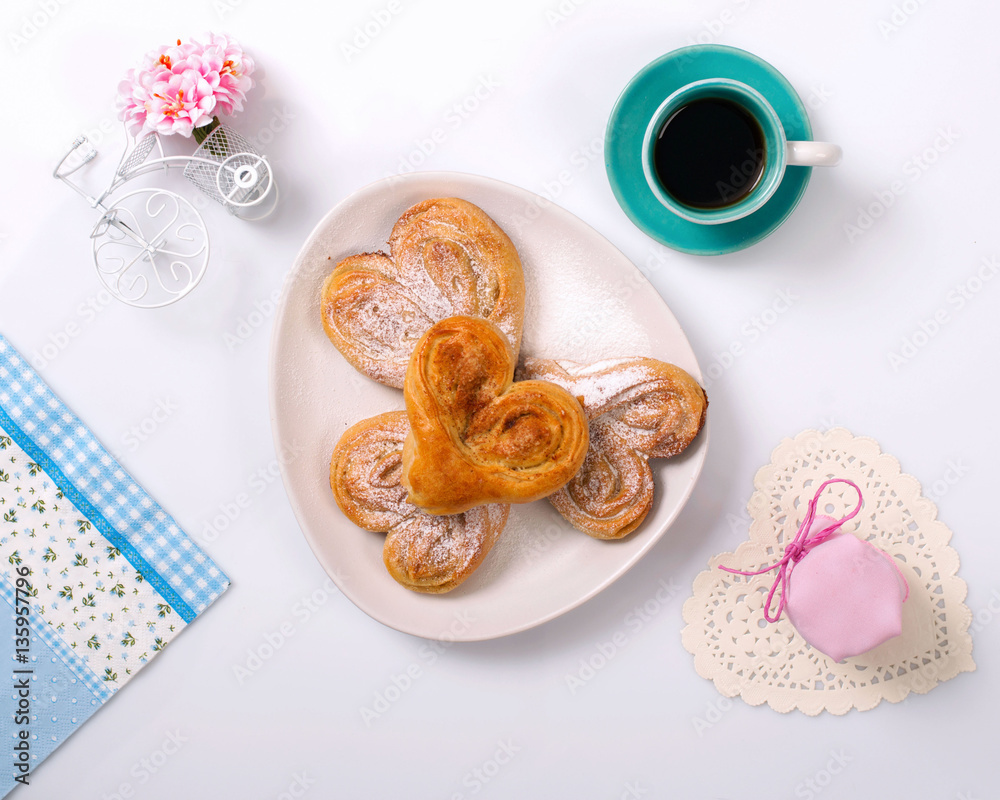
134	94
234	68
178	88
131	101
179	103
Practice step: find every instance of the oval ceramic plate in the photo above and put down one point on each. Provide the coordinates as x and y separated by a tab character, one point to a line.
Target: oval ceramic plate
586	301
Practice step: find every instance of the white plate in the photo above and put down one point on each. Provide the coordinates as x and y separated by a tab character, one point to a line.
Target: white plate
585	301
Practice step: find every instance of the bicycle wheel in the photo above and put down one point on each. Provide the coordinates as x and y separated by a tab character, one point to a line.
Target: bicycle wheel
150	248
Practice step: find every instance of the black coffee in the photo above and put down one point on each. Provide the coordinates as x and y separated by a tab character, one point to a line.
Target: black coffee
709	154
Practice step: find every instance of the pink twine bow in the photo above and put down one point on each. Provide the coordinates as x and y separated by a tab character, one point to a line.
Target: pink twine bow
798	547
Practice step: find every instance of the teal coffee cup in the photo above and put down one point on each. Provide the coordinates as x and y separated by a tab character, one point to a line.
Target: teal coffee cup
715	151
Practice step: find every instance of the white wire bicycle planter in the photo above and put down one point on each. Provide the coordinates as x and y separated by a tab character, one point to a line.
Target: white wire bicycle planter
151	245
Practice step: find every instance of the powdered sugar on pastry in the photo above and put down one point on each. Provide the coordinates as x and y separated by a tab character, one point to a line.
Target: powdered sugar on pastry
603	382
573	311
446	257
638	408
422	552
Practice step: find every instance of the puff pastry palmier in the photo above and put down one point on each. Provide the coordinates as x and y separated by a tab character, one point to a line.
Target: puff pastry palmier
638	408
424	553
477	438
446	257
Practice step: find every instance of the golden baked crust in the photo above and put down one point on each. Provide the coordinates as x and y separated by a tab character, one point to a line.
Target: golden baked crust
422	552
477	438
446	257
639	408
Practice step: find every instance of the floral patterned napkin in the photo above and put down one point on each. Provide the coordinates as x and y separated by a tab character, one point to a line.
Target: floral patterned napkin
95	577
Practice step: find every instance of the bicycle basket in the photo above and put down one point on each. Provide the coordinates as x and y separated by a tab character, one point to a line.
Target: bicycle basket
230	170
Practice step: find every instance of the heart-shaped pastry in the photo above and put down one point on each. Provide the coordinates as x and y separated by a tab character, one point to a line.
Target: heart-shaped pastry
446	257
476	437
639	408
424	553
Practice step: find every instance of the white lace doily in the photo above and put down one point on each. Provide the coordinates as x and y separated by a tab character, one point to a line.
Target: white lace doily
734	646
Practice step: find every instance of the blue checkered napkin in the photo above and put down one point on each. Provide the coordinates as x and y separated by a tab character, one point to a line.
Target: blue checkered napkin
95	578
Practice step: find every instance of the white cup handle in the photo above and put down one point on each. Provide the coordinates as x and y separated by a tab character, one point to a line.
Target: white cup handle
813	154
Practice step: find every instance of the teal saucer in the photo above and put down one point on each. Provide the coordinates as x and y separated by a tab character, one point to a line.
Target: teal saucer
627	127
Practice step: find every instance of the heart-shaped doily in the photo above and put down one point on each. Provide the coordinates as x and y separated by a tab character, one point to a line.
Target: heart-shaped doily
425	553
638	408
446	257
476	437
734	646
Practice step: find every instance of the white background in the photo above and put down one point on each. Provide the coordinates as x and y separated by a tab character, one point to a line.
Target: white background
882	79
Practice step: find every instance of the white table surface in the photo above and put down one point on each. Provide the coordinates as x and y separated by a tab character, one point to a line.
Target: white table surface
908	89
